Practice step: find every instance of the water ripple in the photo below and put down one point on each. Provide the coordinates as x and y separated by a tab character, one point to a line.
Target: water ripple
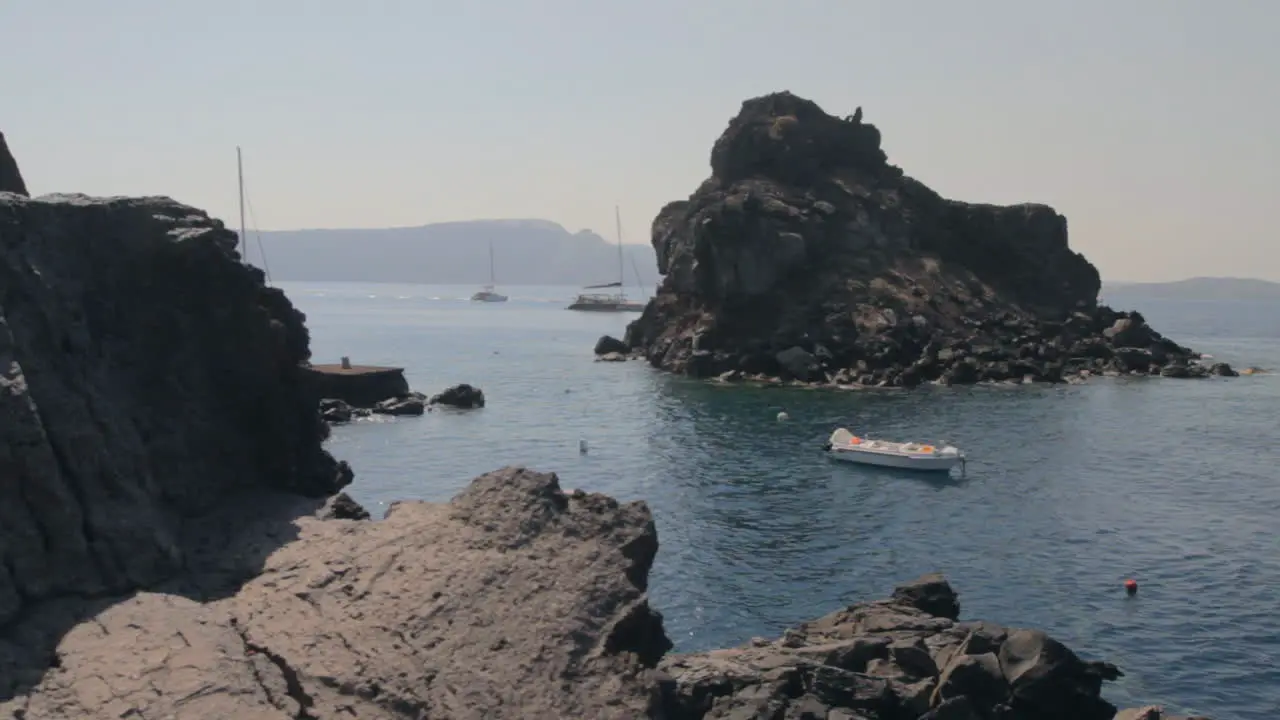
1068	491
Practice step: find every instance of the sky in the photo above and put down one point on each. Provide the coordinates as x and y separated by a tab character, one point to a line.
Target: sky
1151	124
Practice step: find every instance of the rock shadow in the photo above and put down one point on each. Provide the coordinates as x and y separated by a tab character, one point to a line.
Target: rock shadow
221	551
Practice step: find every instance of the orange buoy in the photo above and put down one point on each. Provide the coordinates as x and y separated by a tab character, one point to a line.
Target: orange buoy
1131	586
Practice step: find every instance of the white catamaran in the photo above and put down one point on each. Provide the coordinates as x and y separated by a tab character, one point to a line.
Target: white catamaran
608	302
489	293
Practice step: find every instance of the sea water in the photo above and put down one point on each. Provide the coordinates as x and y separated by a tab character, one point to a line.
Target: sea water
1069	489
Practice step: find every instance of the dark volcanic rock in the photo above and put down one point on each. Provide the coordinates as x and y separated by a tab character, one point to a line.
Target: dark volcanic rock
515	600
893	659
336	411
342	507
347	393
358	386
411	404
460	396
807	256
608	344
145	375
10	176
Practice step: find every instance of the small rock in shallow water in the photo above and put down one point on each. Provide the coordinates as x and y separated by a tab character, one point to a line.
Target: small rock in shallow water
608	344
460	396
411	404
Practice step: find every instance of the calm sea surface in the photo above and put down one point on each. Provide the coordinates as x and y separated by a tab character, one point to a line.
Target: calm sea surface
1069	490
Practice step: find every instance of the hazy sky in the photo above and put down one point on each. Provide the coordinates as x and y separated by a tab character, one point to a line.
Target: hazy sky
1151	124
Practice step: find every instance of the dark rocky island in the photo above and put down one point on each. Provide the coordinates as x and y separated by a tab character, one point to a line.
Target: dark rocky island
173	542
806	256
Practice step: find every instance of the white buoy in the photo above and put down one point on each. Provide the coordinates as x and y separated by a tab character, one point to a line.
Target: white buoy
582	447
783	416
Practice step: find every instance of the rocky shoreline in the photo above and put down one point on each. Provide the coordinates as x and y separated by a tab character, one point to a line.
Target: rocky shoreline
514	600
806	257
410	402
174	542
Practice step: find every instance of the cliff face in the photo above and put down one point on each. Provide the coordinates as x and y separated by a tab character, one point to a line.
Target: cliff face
807	255
145	375
10	177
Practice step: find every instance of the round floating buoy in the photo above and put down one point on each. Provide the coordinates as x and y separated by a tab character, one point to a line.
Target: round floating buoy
783	416
1131	586
582	447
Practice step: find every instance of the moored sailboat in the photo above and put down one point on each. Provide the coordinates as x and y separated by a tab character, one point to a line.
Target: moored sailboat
608	302
489	293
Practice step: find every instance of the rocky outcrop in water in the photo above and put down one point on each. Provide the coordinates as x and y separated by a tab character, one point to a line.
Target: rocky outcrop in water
345	392
906	657
807	256
463	396
10	176
145	375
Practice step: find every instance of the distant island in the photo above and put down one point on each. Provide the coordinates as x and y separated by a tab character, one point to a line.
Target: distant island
1198	288
526	252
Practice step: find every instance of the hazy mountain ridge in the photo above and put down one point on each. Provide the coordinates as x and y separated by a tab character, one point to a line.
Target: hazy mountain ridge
526	252
1198	288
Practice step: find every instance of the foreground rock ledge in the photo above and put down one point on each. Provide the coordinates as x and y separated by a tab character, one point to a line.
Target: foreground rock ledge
806	256
515	600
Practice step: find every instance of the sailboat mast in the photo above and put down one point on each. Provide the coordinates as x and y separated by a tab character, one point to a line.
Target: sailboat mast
617	218
244	246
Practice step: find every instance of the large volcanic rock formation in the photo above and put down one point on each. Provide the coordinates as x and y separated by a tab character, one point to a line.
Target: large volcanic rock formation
145	375
806	255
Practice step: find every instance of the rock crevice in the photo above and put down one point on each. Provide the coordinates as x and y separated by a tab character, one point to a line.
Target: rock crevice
806	256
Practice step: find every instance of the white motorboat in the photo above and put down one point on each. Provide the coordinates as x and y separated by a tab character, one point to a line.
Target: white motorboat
845	446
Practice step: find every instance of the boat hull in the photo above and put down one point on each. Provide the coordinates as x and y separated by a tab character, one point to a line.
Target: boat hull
607	307
924	463
488	297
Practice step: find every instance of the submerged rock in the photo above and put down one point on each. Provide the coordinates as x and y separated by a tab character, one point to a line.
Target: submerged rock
806	256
